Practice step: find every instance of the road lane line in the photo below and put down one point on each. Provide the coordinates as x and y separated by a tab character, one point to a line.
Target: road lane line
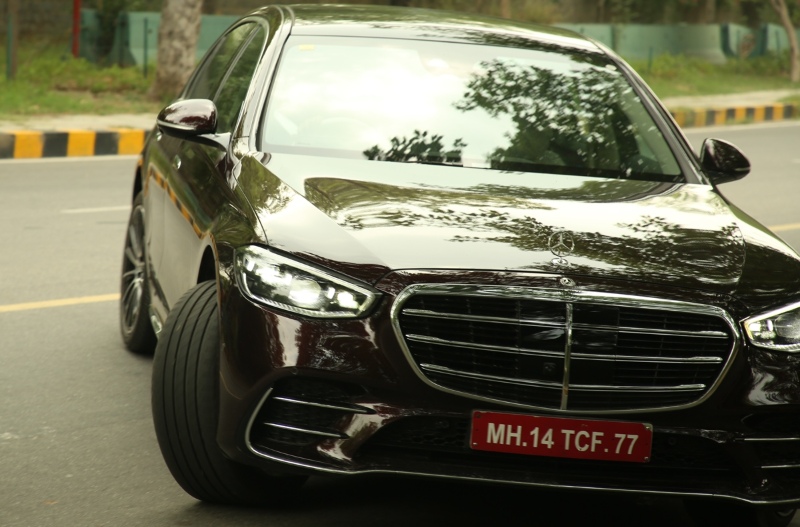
11	161
740	127
9	308
96	209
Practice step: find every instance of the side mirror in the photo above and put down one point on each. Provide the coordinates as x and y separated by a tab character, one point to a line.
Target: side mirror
722	161
188	117
192	120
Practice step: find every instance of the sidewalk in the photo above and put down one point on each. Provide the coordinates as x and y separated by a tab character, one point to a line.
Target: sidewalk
88	135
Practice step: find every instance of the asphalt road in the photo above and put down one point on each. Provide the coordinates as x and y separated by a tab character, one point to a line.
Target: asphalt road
76	441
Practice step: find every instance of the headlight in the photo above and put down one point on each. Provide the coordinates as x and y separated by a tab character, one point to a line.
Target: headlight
777	330
285	283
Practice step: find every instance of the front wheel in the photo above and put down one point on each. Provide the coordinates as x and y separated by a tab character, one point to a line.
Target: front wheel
707	513
185	398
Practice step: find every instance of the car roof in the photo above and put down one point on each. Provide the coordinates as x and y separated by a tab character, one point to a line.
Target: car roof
426	24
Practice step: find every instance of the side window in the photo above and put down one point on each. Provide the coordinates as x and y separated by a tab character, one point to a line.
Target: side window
231	96
206	81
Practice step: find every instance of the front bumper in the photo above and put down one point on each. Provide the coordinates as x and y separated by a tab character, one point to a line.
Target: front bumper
342	397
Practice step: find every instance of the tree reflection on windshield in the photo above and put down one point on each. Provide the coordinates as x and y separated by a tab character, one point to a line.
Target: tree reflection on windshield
422	147
567	120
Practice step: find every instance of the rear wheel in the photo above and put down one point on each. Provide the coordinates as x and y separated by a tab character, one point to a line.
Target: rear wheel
137	333
708	513
185	398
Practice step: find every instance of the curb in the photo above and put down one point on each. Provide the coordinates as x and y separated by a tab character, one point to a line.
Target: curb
28	144
735	115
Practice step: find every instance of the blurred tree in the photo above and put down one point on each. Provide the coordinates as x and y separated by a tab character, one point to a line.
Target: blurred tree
12	14
505	8
177	46
108	15
782	9
211	7
700	11
646	11
615	11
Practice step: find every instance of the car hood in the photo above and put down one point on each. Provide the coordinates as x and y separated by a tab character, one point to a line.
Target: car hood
369	218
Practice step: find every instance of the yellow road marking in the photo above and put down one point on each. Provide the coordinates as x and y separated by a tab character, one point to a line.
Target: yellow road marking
8	308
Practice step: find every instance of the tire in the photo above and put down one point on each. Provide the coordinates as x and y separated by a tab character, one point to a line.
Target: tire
185	398
134	321
708	513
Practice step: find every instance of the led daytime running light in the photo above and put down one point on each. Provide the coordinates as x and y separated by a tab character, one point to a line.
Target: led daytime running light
282	282
778	330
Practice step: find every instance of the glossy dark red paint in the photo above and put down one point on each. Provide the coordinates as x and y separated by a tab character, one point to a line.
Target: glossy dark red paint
391	226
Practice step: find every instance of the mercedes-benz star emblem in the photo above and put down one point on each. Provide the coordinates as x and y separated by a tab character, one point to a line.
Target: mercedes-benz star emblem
561	243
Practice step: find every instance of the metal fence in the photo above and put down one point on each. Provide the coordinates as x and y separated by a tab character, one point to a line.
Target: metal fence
131	38
40	18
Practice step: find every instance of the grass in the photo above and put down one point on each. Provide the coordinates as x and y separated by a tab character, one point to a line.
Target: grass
675	76
50	82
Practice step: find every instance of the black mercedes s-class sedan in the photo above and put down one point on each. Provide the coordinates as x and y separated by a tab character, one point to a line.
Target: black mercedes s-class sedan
388	240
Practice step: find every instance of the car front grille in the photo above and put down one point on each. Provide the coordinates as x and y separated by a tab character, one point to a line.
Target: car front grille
568	351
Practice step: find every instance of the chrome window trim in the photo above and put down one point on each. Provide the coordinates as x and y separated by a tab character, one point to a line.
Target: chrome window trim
566	296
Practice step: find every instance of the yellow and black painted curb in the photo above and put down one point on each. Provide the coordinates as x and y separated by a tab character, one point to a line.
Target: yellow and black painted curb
735	115
29	144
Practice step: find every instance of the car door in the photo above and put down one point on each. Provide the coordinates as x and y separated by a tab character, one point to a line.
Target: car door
194	179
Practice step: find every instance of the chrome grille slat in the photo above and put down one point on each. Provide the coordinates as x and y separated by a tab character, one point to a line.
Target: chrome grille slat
342	407
500	349
306	430
575	387
547	323
640	331
555	354
644	358
574	351
500	320
497	378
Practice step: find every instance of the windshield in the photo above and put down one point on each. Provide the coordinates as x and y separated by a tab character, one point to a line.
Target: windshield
563	112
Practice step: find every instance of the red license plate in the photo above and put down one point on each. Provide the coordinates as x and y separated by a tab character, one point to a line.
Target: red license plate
561	437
